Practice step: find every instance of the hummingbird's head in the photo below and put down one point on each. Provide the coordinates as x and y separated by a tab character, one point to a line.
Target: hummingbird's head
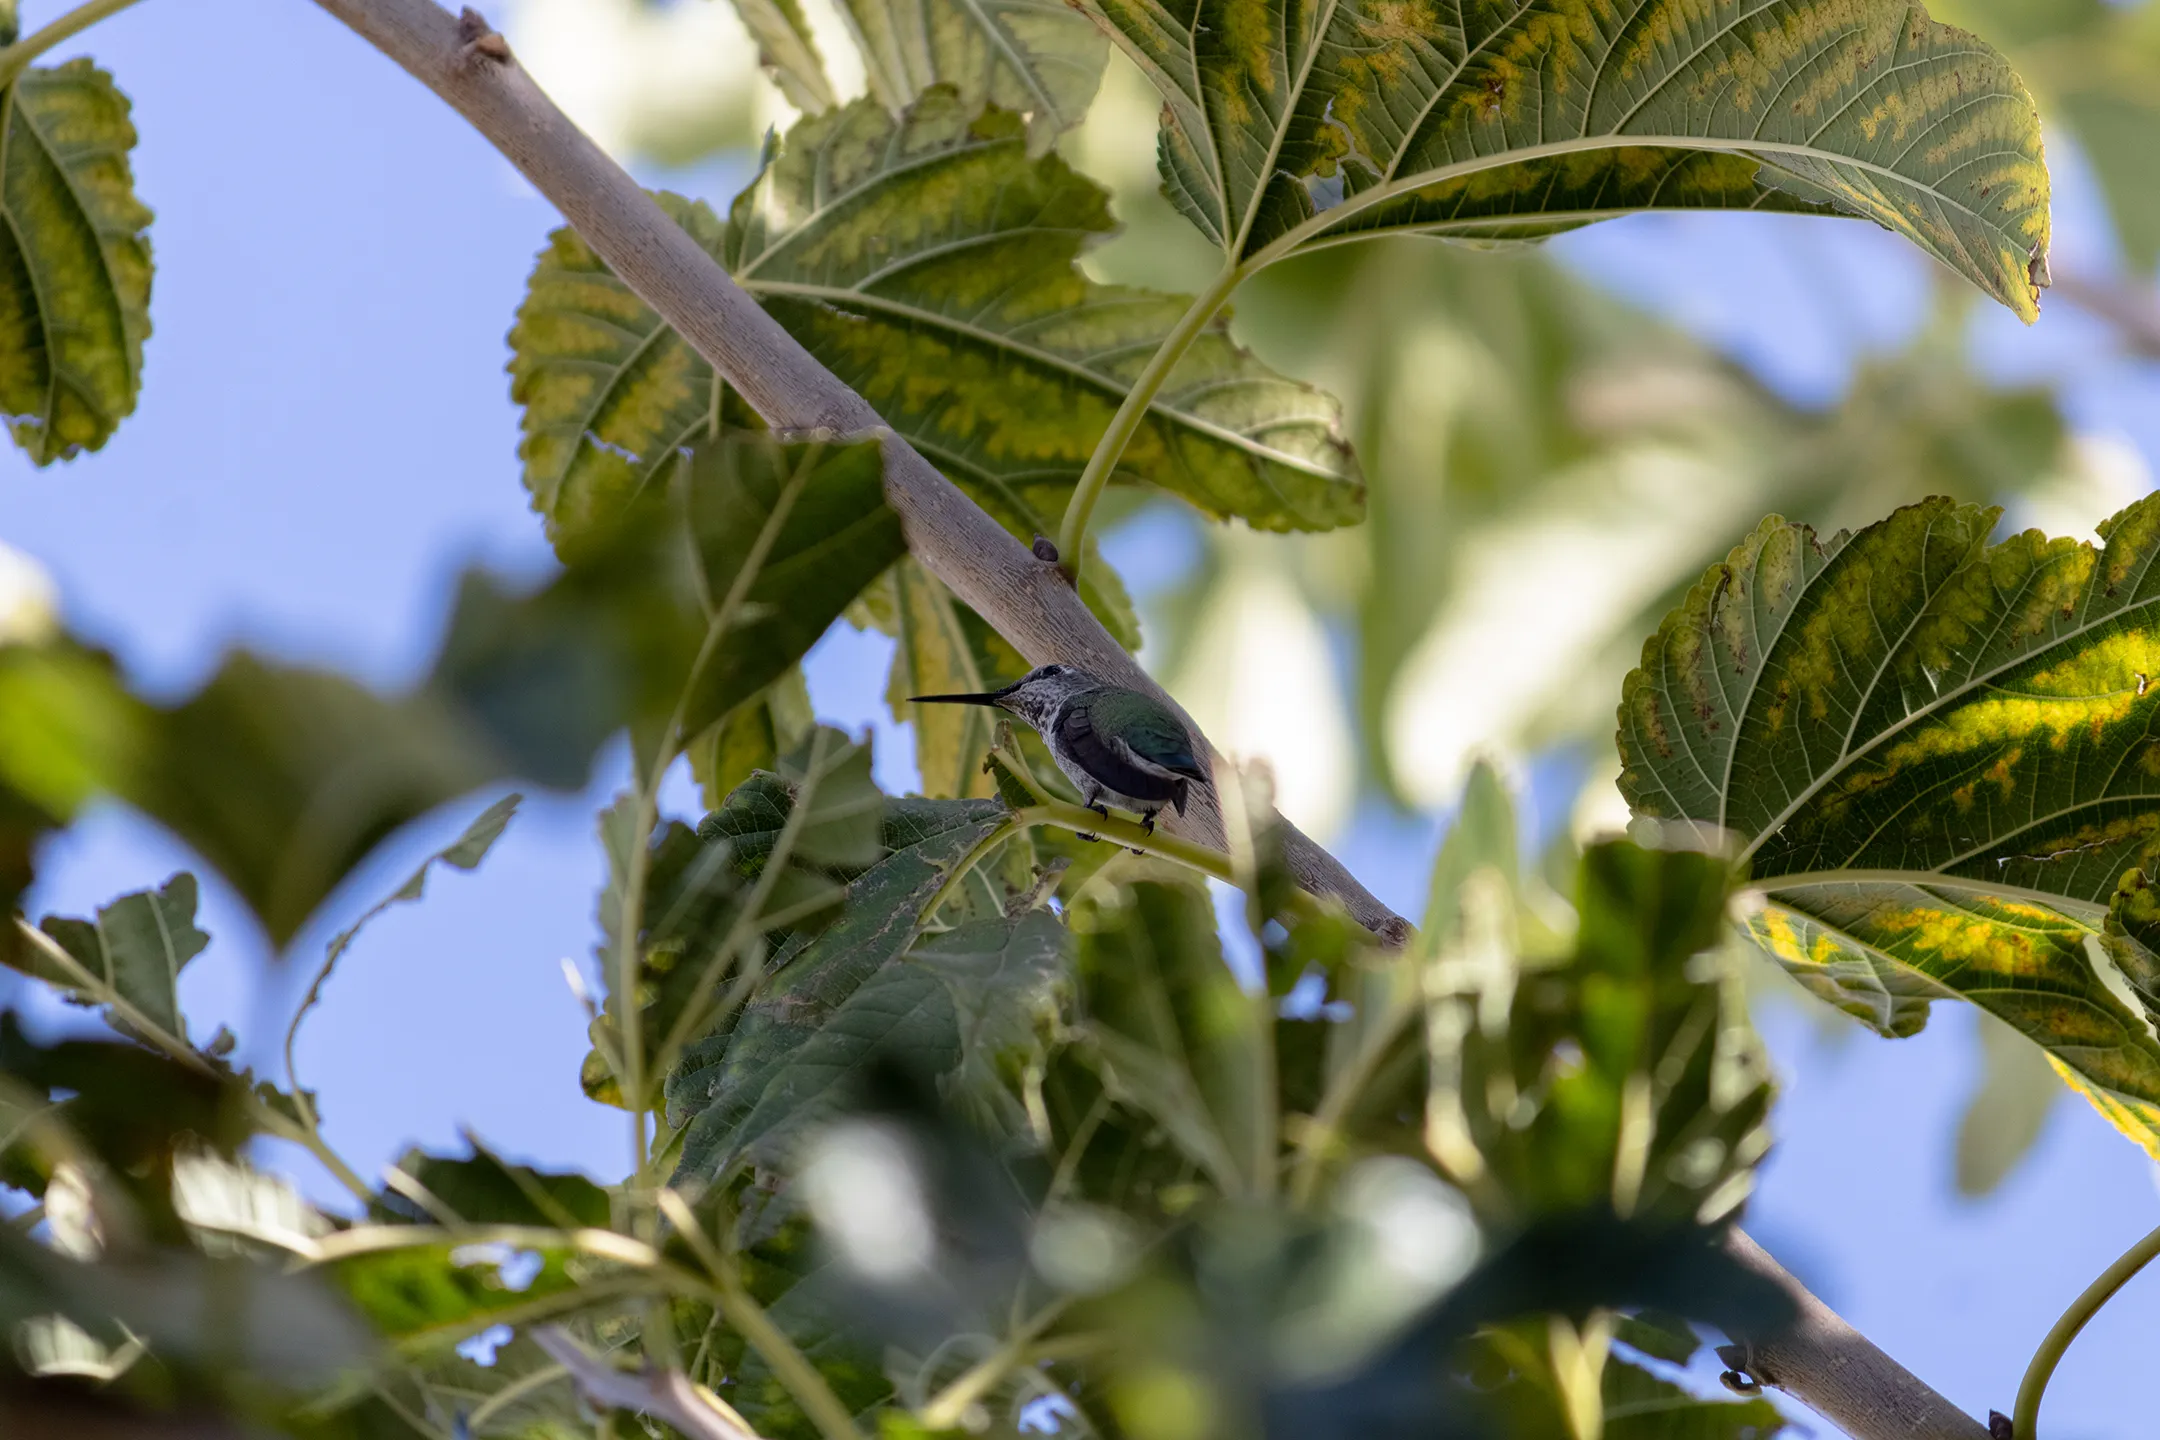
1034	697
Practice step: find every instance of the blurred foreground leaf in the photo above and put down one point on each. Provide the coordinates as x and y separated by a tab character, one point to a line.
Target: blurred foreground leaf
2008	1110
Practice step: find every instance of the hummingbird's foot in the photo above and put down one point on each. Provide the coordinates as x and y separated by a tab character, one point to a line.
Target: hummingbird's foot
1147	822
1138	851
1099	808
1083	835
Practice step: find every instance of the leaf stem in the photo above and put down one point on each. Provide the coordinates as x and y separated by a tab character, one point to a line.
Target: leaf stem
16	58
949	1406
145	1029
309	1138
1072	531
2049	1355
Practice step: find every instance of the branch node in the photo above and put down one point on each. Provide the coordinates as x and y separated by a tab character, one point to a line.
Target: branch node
478	41
1045	549
1744	1371
1999	1426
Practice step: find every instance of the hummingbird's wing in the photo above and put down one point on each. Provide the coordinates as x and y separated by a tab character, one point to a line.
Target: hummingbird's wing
1142	733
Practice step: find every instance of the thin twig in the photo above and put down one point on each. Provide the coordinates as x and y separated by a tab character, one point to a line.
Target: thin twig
17	57
663	1394
1028	601
2026	1424
2133	309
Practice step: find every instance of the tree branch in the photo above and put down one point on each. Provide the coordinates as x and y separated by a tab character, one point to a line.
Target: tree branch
1025	598
1836	1371
2132	307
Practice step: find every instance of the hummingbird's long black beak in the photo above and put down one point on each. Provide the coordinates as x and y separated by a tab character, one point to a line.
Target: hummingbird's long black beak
990	697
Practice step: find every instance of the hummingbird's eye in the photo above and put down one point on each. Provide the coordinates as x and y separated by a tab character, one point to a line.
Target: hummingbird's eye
1053	669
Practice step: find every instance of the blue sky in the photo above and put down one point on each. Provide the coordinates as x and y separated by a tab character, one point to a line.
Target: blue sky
326	437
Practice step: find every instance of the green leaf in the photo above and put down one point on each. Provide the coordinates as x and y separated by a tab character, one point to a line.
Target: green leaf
847	825
130	957
789	52
1285	129
484	1189
75	263
788	1273
1933	754
66	727
129	1108
930	262
786	536
820	819
1172	1033
753	737
1039	58
285	778
842	1000
2008	1110
1623	1075
429	1297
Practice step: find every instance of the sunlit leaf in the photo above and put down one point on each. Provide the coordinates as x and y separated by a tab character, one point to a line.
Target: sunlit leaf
1038	58
1933	755
66	729
935	657
2094	67
1288	127
789	52
74	263
930	262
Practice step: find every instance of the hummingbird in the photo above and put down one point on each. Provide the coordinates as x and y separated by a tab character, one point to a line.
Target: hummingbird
1114	744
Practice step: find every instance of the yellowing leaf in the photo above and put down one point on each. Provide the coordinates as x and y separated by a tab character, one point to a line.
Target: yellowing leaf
74	262
929	262
1936	758
1039	58
934	657
1290	127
